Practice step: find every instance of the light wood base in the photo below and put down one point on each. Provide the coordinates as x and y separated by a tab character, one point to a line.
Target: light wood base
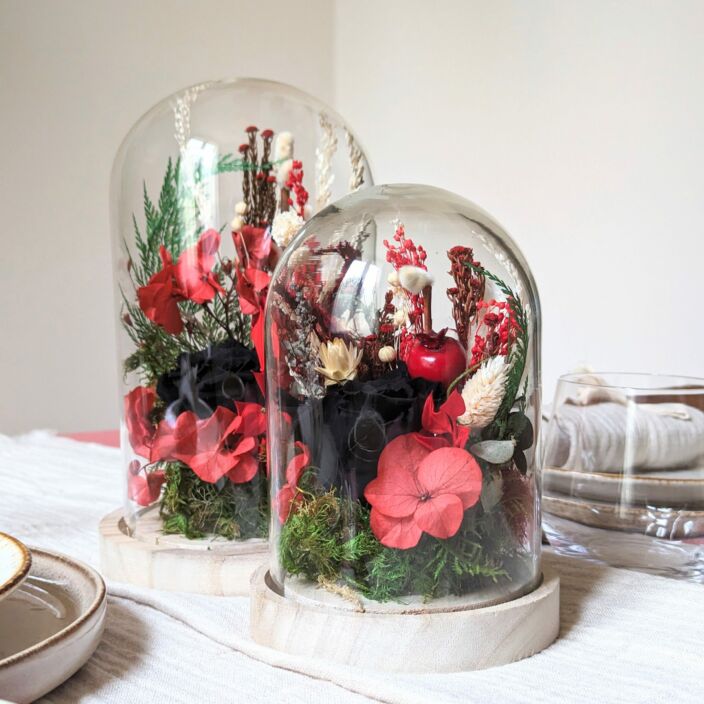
454	640
175	563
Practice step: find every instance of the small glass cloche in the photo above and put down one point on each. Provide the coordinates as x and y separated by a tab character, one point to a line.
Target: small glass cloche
208	189
403	391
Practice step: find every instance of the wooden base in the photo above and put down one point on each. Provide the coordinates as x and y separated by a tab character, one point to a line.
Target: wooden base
453	640
175	563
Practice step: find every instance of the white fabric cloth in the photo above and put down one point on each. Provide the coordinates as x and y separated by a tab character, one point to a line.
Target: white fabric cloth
625	636
613	437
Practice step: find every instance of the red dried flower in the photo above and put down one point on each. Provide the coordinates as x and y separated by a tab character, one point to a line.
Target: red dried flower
138	405
225	443
496	331
143	487
288	497
267	134
418	491
193	271
253	245
160	297
425	481
251	128
294	184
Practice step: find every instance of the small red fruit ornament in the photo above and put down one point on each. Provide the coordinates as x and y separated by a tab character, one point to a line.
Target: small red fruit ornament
436	357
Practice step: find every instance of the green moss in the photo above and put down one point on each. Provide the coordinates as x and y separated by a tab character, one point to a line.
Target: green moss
195	508
325	535
329	537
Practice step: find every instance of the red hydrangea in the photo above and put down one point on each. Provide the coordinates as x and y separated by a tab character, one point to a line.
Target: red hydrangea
143	487
224	444
191	278
159	299
253	245
138	406
194	275
425	481
289	495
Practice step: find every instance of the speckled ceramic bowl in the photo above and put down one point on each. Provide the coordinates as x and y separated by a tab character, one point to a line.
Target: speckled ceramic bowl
15	561
50	626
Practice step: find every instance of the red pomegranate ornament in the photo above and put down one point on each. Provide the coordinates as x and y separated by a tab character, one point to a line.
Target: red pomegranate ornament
436	357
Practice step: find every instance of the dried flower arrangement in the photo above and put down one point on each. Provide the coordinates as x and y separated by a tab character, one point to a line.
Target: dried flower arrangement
194	313
404	446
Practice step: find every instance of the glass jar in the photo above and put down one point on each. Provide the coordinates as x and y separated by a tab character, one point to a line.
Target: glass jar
208	189
624	471
403	387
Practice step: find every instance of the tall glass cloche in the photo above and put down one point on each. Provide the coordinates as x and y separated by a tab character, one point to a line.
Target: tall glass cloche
403	389
208	190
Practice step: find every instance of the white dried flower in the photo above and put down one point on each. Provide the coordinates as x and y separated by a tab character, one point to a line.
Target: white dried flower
285	227
387	354
400	317
237	223
414	279
282	172
484	392
241	208
339	361
283	148
393	279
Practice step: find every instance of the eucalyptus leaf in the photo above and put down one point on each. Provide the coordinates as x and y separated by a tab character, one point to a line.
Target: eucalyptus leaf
492	490
494	451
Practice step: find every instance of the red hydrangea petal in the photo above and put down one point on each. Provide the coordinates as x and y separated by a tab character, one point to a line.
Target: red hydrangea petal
145	490
159	303
245	469
444	420
138	405
399	533
253	418
440	516
451	470
297	464
406	450
286	502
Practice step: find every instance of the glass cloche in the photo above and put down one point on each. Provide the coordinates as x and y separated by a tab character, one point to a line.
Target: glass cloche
403	390
208	189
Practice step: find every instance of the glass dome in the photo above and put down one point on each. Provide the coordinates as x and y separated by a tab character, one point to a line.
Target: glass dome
403	389
208	189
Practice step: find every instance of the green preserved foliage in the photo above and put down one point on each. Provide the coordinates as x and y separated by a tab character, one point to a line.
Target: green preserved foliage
330	537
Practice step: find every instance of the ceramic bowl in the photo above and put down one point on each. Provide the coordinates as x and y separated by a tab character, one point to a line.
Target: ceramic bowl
15	561
36	653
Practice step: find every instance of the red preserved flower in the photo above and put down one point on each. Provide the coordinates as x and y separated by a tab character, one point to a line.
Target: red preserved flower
143	487
425	481
193	271
225	443
138	405
419	490
160	297
289	495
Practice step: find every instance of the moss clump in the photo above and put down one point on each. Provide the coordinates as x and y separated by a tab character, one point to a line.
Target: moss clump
324	536
196	508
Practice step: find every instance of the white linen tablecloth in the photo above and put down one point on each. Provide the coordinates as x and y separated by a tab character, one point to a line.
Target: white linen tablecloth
625	636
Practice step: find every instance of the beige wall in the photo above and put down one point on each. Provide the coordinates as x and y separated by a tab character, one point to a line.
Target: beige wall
579	126
74	76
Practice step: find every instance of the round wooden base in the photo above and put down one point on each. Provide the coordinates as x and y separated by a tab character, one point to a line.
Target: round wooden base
175	563
453	640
